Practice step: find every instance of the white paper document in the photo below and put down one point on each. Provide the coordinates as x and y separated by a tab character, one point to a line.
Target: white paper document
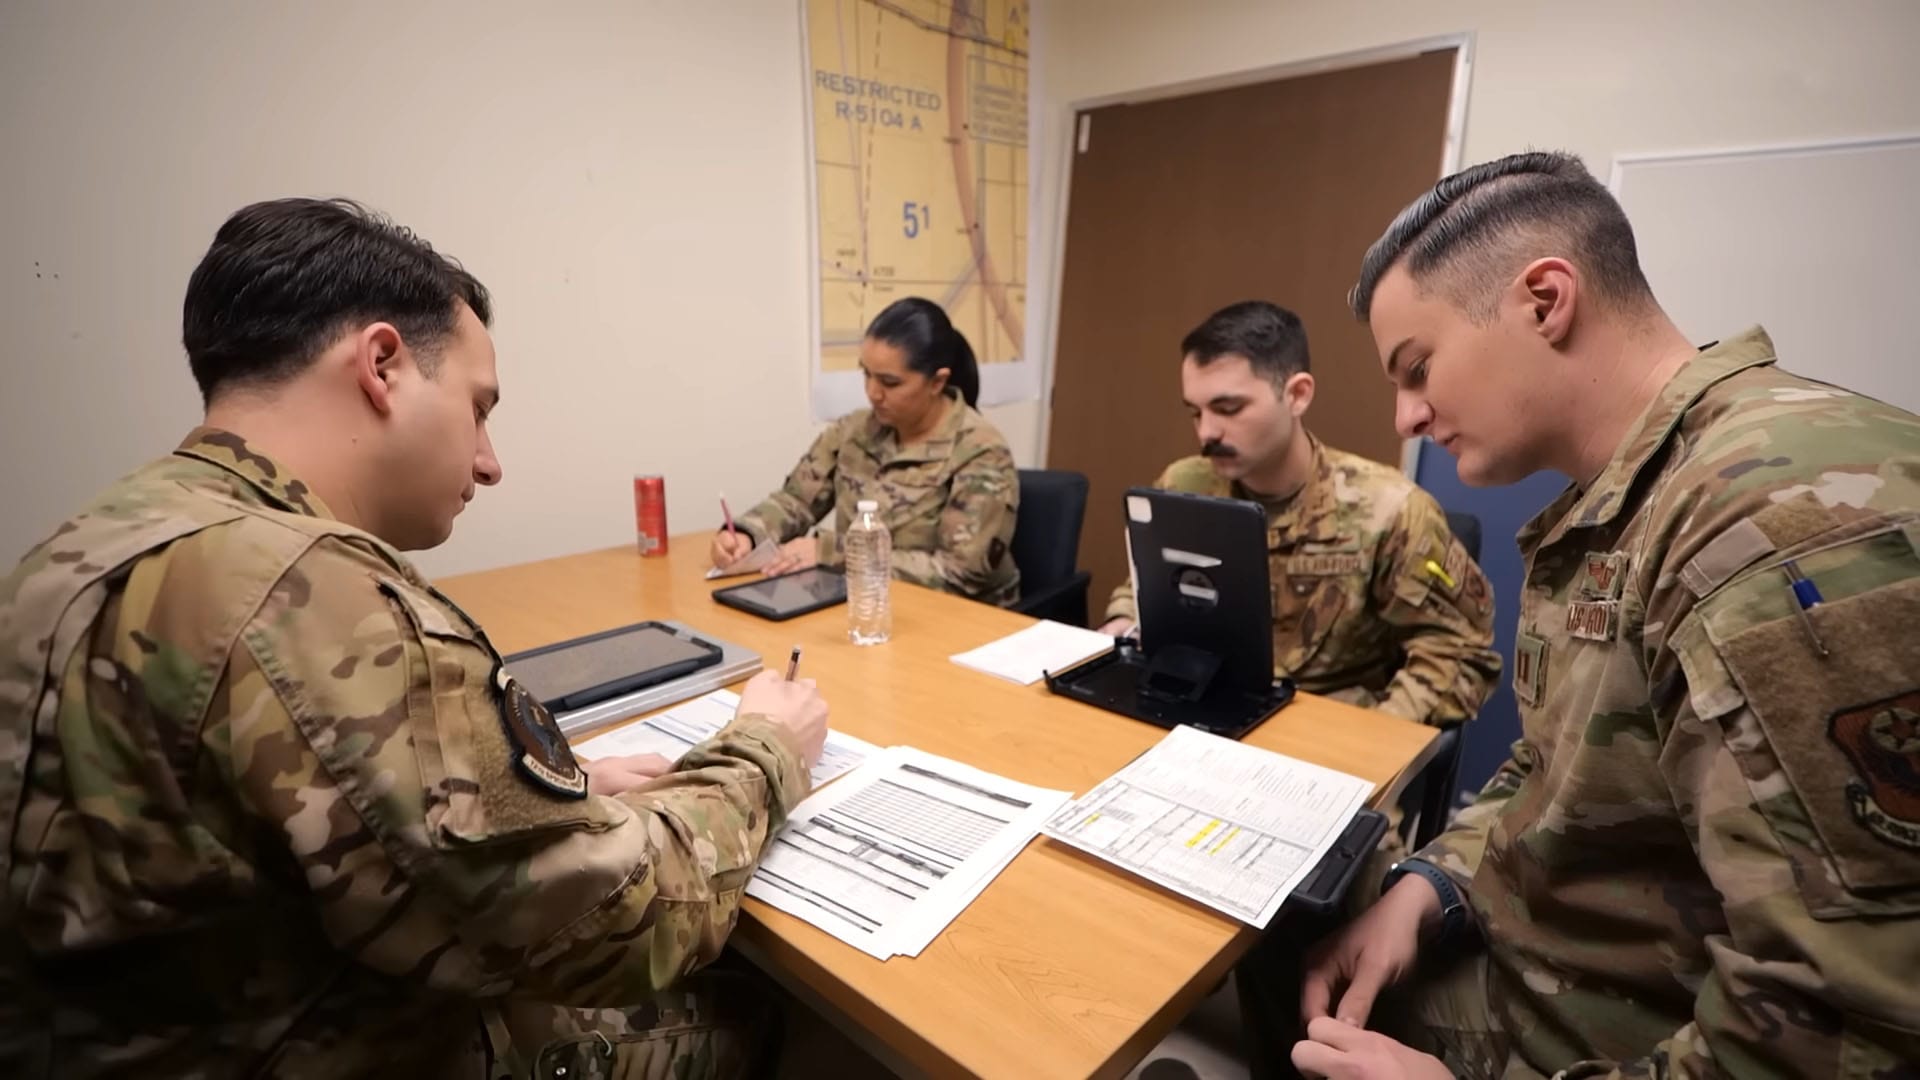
762	554
1230	825
1027	655
674	732
885	860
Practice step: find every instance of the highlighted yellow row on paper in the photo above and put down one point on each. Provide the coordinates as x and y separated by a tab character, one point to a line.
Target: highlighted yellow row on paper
1201	836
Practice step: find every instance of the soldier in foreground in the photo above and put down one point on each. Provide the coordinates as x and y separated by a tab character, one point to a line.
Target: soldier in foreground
1703	857
270	804
1375	602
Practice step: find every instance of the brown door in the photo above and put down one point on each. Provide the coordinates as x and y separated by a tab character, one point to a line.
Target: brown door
1181	206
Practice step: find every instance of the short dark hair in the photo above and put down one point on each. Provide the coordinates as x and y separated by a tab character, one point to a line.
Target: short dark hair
1482	225
1268	335
921	329
285	278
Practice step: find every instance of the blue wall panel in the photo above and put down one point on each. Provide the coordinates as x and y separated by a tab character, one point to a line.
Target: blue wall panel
1502	510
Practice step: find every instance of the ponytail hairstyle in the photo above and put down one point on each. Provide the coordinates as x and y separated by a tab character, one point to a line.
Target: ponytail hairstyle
920	329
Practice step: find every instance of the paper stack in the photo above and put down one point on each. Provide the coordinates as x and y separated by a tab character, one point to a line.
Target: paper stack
887	858
1230	825
674	732
1027	655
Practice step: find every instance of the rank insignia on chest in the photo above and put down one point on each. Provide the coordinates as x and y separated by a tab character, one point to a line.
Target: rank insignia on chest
1593	620
1603	575
1529	668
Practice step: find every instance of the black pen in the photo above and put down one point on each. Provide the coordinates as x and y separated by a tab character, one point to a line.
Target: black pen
793	663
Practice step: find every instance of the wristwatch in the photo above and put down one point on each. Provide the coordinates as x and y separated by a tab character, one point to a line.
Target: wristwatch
1453	906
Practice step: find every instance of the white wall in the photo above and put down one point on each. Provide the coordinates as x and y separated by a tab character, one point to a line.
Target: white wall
1593	78
1827	279
627	176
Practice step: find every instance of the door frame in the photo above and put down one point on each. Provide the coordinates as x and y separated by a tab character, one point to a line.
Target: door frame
1450	155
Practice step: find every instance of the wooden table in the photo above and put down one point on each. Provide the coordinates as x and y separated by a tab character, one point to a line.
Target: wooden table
1064	966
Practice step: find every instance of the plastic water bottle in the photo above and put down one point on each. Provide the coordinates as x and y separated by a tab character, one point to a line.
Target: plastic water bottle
869	551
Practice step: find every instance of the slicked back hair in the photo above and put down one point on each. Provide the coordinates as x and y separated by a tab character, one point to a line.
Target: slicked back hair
1476	229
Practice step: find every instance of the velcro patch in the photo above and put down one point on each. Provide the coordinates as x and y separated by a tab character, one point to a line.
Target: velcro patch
1603	575
1593	620
1794	520
1325	564
1841	727
1724	556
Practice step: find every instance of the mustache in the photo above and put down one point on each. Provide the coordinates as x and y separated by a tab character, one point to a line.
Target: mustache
1215	448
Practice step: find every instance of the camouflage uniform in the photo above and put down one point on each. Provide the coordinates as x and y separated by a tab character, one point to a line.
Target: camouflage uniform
950	501
1703	858
1357	613
270	806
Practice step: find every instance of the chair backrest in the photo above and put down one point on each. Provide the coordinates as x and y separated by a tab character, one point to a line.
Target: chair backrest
1466	528
1046	534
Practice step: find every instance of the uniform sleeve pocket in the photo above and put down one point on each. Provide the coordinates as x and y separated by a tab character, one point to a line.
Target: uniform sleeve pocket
1835	691
493	761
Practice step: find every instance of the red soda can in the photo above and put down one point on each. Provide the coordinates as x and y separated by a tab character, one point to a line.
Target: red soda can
650	513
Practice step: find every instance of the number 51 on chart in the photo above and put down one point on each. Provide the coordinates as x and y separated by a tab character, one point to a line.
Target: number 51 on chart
915	218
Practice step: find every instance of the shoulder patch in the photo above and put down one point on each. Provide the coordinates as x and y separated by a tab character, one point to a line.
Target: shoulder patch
540	749
1881	740
1458	571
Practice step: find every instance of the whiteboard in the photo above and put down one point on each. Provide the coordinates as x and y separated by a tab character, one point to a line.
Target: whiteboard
1819	243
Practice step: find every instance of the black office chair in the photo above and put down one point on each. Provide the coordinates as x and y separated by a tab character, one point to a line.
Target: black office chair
1427	802
1466	529
1046	545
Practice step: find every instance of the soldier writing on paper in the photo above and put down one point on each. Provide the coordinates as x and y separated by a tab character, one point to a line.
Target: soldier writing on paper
942	473
270	805
1703	857
1374	601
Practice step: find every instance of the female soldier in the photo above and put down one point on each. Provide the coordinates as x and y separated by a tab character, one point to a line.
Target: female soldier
942	474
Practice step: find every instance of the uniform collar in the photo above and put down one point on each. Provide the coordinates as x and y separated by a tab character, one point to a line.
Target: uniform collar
883	442
1601	502
1309	514
271	479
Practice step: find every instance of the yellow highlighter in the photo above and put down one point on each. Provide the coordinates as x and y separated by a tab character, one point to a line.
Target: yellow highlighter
1440	572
